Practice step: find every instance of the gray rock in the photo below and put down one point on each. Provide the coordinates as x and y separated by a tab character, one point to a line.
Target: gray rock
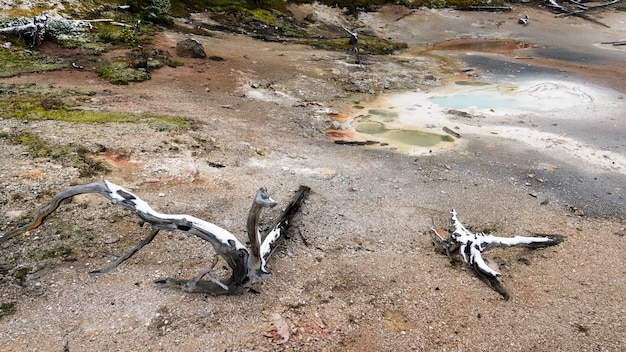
190	48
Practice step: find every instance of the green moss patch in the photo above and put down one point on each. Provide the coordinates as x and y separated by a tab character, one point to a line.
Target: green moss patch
69	155
33	102
15	62
52	252
268	24
135	66
121	72
367	45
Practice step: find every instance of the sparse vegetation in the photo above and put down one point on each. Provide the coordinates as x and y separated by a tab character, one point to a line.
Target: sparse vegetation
17	60
52	252
367	45
33	102
119	71
70	155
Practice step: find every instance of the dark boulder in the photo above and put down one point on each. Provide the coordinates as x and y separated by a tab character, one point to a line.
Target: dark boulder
190	48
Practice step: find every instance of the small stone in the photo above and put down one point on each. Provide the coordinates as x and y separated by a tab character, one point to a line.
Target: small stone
111	240
12	214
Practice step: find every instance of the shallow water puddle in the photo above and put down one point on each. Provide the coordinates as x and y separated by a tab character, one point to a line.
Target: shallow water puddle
400	136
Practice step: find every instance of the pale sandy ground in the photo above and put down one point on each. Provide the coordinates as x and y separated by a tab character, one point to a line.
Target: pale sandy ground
359	272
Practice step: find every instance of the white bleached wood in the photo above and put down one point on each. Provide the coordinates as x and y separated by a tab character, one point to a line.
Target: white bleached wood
471	246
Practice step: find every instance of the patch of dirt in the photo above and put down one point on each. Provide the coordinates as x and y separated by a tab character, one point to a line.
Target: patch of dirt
358	271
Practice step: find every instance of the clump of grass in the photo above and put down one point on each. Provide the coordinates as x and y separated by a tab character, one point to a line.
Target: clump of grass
21	273
7	309
175	63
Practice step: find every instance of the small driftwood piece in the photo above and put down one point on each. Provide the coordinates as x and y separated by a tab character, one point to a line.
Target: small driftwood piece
451	132
345	142
471	246
248	265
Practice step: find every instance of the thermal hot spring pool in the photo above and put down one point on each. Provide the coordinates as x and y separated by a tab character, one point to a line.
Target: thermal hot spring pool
571	117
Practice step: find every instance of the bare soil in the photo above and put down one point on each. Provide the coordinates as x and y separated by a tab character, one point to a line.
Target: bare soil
358	272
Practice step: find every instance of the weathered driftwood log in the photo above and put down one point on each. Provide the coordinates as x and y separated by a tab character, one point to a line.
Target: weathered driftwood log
247	264
471	245
35	31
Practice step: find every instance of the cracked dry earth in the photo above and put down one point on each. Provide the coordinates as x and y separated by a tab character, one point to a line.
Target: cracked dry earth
358	271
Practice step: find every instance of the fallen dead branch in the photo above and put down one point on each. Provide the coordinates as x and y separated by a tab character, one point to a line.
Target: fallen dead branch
578	9
247	264
34	31
471	246
354	40
616	43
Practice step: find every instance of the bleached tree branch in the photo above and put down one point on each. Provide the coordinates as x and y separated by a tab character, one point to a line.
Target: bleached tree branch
247	265
354	40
